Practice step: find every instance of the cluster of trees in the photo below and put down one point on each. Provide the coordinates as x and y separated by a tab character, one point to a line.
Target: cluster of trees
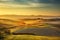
5	30
52	19
3	33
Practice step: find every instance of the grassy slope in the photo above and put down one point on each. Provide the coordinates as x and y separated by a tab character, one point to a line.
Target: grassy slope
31	37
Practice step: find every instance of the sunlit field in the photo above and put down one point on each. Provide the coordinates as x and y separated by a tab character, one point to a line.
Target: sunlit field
31	37
47	28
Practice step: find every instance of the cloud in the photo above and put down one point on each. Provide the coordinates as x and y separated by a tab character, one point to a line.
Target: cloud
41	1
32	1
4	0
20	5
29	3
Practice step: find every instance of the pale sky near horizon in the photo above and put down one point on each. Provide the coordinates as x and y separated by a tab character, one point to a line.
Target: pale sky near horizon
30	7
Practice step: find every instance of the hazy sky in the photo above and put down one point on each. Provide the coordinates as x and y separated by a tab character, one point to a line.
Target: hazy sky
30	7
